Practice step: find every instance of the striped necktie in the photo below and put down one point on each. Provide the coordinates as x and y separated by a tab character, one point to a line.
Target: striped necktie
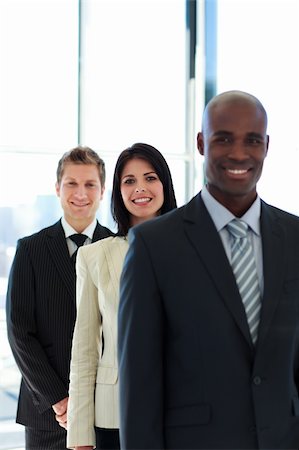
244	268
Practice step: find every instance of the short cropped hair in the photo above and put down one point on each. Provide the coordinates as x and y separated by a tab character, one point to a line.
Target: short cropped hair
81	155
150	154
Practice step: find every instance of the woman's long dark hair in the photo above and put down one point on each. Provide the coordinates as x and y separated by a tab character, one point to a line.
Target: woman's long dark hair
143	151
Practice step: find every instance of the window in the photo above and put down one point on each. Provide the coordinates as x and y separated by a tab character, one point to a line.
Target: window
102	73
257	51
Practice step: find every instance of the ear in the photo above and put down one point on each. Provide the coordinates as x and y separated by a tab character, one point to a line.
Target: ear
57	188
102	192
267	144
200	143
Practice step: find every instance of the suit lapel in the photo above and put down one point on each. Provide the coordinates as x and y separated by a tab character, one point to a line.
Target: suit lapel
58	249
203	235
59	252
100	233
274	254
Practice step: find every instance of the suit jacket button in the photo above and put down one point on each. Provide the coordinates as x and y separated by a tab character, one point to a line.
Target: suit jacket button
257	380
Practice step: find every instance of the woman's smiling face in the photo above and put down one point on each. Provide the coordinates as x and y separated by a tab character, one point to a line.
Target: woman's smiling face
141	190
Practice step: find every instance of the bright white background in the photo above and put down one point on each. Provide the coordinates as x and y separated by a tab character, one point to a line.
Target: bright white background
132	89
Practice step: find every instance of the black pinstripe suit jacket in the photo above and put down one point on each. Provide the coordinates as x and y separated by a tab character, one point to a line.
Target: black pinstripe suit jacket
41	313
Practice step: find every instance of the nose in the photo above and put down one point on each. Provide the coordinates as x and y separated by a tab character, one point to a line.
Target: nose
139	189
238	152
80	191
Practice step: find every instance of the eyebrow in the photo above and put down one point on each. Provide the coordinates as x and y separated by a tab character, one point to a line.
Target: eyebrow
145	174
93	180
229	133
222	132
257	135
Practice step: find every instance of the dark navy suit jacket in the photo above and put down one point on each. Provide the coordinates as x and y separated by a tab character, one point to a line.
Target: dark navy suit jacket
189	374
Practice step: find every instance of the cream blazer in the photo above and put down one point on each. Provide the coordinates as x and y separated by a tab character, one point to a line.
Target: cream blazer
93	392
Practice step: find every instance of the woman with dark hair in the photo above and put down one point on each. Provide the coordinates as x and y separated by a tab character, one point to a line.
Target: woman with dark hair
142	190
120	213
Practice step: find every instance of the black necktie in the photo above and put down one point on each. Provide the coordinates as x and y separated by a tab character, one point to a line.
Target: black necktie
79	240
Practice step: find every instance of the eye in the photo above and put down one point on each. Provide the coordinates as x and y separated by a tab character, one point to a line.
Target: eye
129	181
151	178
222	139
254	141
90	185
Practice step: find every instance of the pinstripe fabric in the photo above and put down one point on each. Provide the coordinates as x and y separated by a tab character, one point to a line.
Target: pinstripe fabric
244	268
45	440
41	313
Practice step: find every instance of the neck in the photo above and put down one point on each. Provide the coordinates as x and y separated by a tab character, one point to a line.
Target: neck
236	204
79	225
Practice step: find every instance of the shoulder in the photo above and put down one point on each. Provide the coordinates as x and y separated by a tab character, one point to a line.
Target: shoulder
104	247
102	232
169	223
34	248
284	218
102	259
160	223
108	242
282	224
41	235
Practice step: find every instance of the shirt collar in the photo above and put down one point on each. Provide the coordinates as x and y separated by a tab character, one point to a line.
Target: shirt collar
221	216
69	230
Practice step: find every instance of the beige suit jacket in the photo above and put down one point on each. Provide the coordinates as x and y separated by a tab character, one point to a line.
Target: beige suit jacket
93	394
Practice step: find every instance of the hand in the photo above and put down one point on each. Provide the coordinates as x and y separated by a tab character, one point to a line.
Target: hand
60	409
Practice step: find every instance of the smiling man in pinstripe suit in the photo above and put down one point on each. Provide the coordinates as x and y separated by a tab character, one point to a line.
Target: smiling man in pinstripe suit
41	299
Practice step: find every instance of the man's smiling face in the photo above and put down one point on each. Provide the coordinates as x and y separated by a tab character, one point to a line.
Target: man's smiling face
80	193
235	144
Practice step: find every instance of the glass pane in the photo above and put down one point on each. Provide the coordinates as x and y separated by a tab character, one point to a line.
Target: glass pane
258	51
39	73
38	113
27	203
133	79
132	89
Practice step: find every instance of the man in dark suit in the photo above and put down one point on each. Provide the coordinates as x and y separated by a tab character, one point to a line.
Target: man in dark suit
199	367
41	305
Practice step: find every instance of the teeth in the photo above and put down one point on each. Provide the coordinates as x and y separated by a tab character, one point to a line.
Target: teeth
237	171
141	200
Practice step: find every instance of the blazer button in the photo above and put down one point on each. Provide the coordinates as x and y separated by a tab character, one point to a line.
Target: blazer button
257	380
